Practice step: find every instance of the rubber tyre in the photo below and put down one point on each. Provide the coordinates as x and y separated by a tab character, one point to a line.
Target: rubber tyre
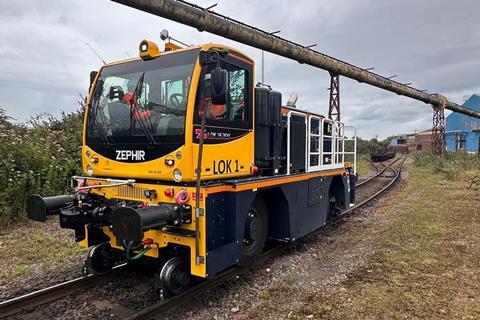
255	233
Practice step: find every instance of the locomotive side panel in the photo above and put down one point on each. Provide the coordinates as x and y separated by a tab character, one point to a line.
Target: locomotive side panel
225	223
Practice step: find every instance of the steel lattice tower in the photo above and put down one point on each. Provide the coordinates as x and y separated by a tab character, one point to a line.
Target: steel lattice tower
438	129
334	105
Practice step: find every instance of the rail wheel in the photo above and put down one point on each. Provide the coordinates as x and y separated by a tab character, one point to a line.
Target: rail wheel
174	277
255	233
333	210
100	259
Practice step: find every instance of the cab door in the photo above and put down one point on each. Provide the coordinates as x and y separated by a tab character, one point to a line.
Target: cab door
228	139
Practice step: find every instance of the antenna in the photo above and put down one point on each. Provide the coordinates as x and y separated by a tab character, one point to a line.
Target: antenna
263	57
263	66
96	53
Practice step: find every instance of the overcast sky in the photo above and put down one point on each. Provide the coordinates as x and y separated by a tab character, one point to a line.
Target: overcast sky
45	62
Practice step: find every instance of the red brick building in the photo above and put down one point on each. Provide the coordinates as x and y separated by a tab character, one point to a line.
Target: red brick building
423	141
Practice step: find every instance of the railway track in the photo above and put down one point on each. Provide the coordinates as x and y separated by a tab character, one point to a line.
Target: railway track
61	290
394	178
380	171
55	292
166	305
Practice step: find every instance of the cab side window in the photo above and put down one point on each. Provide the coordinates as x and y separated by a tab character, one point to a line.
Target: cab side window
236	100
234	112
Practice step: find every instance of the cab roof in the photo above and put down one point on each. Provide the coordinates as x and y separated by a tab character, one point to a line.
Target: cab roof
203	47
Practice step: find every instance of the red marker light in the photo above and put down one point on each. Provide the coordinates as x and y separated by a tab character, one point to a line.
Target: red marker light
194	196
255	169
168	192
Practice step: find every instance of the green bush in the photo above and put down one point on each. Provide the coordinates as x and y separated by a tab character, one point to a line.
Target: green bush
39	156
451	164
371	146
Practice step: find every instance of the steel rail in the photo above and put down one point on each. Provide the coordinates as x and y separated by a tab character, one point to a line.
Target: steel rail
381	191
55	292
58	291
181	299
207	20
379	172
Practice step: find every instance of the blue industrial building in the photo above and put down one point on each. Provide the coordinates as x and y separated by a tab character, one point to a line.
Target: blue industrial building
463	132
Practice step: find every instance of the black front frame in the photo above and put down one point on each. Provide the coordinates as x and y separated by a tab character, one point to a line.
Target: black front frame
166	144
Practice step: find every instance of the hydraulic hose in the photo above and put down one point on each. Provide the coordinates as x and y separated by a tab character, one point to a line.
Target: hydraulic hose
131	247
140	254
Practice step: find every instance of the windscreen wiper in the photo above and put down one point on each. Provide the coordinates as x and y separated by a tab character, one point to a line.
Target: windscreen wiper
93	114
134	110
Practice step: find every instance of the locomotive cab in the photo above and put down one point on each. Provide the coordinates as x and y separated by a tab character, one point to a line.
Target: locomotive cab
144	117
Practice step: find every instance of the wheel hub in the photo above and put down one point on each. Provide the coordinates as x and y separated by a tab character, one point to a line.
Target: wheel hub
173	277
251	230
100	259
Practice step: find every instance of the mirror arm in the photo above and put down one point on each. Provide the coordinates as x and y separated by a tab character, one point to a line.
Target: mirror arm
93	75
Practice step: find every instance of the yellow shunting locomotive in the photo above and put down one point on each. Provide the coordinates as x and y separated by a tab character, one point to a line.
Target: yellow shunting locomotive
192	167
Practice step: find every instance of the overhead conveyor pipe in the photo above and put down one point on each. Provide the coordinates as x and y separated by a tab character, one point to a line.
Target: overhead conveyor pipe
205	20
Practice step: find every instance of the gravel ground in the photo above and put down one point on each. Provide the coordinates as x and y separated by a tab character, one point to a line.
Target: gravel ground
115	299
41	272
316	263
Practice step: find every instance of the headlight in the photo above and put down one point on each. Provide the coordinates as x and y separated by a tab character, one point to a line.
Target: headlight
177	175
89	170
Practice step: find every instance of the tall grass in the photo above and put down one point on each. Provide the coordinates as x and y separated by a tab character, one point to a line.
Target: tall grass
451	164
36	157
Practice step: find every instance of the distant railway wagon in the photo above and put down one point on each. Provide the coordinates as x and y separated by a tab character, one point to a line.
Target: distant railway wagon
191	167
383	154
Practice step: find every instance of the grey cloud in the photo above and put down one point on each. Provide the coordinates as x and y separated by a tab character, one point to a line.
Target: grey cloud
45	62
